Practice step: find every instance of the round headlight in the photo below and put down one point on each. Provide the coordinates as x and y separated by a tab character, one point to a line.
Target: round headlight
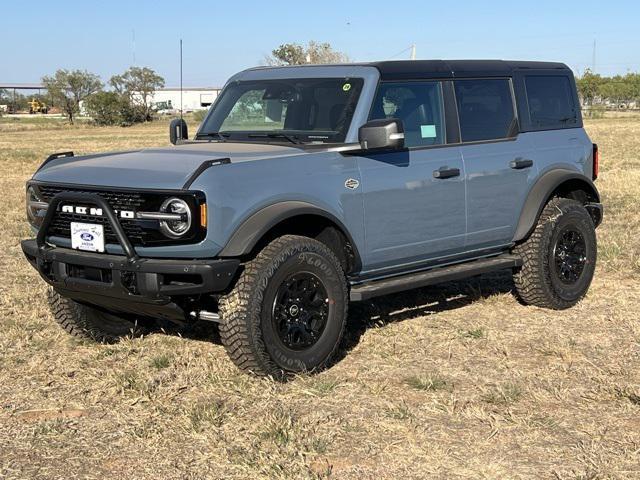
182	223
36	208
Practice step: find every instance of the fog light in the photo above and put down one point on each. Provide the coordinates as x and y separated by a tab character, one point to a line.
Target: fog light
182	223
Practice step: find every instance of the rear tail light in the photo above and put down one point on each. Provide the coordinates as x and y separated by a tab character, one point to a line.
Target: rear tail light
596	161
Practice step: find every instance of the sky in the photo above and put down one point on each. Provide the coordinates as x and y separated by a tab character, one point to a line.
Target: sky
221	38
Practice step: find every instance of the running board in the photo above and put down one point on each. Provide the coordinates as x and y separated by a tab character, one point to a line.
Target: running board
435	275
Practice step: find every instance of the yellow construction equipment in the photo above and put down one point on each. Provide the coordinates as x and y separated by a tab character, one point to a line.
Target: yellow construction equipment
37	106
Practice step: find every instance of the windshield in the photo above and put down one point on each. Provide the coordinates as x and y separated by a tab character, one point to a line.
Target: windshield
300	110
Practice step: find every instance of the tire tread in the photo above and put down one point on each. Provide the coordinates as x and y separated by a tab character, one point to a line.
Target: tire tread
240	309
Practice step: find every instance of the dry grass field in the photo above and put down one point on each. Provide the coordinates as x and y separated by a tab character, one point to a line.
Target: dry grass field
453	381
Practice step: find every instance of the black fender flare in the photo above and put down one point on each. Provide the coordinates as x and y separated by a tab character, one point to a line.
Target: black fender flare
541	192
251	230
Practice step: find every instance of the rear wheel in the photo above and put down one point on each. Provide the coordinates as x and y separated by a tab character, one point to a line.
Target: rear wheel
288	309
89	323
558	258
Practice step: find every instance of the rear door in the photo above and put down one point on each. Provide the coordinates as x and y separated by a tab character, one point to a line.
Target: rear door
550	114
499	163
414	199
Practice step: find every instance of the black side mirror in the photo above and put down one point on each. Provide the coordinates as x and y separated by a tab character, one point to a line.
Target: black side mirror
386	133
178	131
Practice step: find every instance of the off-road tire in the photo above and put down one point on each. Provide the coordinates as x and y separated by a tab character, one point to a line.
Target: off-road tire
537	282
88	323
246	312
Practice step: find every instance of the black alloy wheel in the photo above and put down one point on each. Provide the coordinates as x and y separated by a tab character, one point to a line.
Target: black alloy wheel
300	311
569	255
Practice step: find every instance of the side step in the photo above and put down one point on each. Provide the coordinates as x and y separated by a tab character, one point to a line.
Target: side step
376	288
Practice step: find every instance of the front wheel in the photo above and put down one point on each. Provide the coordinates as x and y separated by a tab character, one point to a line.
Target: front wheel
559	257
288	309
87	323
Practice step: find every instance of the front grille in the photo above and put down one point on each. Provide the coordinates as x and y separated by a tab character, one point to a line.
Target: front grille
118	200
140	232
61	227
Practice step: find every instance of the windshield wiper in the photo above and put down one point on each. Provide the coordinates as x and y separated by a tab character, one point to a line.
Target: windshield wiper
568	119
292	139
220	136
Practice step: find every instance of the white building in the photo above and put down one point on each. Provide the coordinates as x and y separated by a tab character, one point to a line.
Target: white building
192	98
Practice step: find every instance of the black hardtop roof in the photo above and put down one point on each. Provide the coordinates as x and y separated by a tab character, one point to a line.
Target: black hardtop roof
415	69
406	69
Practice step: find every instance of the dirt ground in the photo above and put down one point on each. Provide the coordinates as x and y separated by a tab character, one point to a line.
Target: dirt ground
453	381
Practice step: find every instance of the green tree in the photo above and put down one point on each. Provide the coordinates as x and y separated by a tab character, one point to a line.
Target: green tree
112	108
67	88
105	108
312	53
4	100
633	82
138	84
589	86
618	90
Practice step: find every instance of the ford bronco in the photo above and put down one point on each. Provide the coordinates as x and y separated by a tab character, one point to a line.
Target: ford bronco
308	187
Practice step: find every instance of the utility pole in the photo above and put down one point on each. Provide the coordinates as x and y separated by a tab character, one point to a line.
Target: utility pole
180	79
593	59
133	45
413	51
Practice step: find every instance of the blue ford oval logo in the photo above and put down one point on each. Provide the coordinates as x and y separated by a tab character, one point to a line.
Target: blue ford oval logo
87	237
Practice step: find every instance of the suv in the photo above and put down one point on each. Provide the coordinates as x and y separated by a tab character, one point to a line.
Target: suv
308	187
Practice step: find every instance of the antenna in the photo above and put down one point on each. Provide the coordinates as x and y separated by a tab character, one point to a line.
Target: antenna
180	79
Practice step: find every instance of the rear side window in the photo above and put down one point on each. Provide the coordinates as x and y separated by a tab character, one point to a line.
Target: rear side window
420	107
550	101
485	109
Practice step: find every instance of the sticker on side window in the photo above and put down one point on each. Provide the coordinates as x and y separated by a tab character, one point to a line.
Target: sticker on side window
428	131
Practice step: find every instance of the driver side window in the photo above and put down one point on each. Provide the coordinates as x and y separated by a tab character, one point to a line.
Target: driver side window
420	107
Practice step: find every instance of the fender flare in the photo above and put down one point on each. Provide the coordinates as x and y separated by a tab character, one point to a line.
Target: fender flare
540	194
252	229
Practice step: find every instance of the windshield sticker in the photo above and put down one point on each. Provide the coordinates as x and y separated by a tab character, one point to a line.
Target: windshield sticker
346	87
428	131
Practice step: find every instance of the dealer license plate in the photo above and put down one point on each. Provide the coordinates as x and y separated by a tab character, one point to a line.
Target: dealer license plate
87	236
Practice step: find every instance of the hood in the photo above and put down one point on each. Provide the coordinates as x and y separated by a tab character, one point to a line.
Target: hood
160	168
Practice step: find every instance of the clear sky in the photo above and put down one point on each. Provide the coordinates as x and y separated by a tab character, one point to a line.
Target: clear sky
220	38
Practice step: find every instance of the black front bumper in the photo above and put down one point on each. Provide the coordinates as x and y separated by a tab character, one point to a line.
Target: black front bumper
143	285
124	283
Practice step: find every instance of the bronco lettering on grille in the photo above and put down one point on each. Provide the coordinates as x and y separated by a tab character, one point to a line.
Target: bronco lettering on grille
96	212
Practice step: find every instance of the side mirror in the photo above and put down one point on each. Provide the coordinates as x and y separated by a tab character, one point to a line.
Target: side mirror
178	131
386	133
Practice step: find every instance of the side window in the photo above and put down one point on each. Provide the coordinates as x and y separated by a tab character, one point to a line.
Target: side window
550	101
485	109
420	107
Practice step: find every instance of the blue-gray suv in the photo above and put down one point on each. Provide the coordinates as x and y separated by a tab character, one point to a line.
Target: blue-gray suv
308	187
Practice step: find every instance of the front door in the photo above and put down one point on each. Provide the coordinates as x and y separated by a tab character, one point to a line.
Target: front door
414	199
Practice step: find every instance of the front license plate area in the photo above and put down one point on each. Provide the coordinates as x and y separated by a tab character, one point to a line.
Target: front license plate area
87	236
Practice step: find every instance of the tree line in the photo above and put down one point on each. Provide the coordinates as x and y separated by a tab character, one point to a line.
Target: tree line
127	102
619	91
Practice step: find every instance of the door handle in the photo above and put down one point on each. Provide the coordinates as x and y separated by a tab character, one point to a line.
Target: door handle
520	163
444	172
